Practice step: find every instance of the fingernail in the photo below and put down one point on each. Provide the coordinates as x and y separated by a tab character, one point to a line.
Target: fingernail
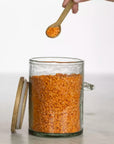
76	1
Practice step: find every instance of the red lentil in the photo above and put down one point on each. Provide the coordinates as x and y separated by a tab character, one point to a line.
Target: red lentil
53	31
56	103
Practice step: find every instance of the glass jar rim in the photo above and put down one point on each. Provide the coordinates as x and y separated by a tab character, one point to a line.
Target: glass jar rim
53	60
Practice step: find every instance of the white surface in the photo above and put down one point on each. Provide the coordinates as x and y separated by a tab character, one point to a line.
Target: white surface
88	35
98	114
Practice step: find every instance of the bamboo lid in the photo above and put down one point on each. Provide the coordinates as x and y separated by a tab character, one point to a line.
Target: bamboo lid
19	106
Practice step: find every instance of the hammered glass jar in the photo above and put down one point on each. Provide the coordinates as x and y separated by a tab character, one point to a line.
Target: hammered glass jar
56	96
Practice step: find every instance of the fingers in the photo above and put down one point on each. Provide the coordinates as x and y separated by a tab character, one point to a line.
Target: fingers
65	2
75	8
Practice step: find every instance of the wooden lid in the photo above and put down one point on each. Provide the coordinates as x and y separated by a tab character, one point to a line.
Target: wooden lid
20	103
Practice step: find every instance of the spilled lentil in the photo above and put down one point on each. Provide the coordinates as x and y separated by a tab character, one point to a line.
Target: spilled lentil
56	103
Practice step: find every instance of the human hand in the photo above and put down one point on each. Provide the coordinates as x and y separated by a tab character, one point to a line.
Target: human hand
75	6
76	2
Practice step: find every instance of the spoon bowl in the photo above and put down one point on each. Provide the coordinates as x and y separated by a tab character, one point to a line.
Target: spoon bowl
53	30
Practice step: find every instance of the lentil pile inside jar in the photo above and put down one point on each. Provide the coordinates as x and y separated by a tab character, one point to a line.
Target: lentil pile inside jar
56	103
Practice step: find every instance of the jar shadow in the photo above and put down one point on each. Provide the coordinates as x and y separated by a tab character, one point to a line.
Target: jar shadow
51	140
24	138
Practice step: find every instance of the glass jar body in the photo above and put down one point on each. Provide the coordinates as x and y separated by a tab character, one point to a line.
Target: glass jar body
56	96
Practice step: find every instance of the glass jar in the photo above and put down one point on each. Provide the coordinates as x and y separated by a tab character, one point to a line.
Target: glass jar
56	96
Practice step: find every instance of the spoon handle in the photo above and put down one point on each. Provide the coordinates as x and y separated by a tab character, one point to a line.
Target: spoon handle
65	12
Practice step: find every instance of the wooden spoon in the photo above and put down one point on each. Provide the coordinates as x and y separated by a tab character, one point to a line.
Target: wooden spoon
60	20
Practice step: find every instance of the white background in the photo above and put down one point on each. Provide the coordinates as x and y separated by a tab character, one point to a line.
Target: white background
88	35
